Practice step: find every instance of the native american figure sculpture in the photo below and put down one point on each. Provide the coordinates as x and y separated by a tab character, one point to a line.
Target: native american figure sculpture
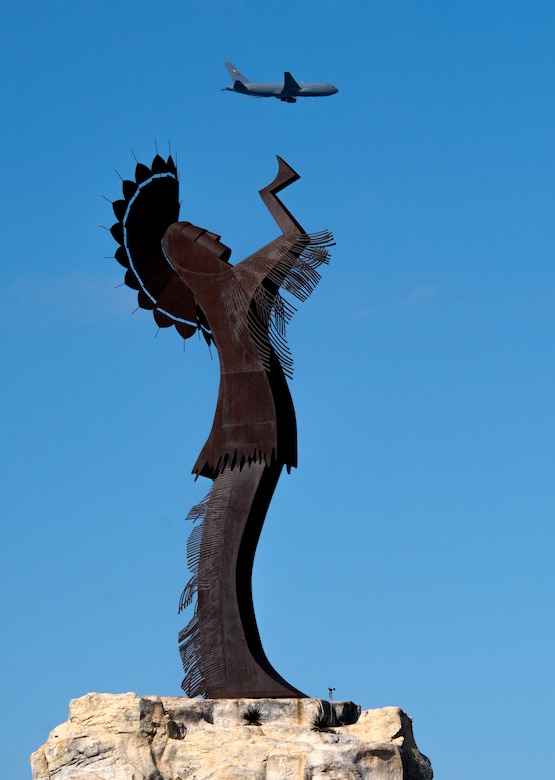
182	273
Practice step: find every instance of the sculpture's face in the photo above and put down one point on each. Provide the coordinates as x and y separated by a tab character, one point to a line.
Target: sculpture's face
193	251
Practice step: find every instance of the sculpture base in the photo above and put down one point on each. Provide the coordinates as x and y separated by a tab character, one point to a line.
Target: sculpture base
130	737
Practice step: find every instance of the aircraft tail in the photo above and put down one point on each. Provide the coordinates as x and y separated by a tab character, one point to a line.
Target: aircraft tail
235	75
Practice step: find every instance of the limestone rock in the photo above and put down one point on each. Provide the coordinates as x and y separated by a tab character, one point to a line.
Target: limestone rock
130	737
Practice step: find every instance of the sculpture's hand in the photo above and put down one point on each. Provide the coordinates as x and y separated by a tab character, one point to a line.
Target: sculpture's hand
285	176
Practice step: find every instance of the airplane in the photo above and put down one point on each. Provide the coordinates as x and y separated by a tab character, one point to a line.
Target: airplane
288	91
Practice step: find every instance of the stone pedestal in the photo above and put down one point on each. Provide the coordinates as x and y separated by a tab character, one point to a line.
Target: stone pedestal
130	737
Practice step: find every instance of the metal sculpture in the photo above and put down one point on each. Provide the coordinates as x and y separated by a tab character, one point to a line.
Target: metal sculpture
182	273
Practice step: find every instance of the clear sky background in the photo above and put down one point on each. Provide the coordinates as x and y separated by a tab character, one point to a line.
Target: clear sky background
409	559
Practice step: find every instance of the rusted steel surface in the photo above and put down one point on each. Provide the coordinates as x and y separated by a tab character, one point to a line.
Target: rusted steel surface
182	273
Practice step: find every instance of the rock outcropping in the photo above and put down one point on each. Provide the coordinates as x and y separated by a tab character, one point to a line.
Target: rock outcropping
130	737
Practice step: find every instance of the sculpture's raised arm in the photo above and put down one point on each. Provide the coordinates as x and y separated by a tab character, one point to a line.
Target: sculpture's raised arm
289	263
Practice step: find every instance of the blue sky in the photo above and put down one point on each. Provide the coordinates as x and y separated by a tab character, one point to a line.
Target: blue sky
408	561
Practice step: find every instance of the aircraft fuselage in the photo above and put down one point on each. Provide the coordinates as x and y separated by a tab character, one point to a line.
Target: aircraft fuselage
288	90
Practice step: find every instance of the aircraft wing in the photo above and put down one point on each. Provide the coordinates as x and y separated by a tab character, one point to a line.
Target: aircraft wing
289	83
